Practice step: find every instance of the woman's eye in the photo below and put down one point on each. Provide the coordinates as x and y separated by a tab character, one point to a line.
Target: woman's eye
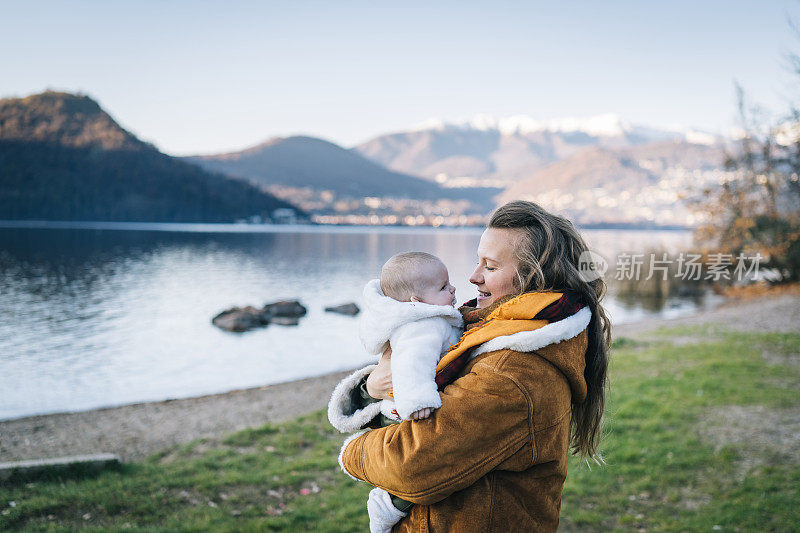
490	269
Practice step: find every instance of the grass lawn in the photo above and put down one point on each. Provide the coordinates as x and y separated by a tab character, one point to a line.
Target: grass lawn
701	435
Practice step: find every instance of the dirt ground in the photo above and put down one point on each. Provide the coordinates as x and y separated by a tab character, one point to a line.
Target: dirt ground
769	313
135	431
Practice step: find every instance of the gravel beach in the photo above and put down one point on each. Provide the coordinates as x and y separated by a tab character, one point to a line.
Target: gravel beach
136	431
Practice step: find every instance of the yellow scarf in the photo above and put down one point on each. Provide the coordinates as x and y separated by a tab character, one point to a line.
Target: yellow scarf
508	318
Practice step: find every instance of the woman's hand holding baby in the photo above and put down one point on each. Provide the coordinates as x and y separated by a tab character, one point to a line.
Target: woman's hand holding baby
379	381
421	414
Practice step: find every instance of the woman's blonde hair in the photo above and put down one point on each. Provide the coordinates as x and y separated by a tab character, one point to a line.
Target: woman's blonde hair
548	253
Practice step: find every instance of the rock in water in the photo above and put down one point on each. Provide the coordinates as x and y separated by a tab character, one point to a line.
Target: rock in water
285	308
240	319
285	320
344	309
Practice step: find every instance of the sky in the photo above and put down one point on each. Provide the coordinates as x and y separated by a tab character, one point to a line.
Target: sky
205	77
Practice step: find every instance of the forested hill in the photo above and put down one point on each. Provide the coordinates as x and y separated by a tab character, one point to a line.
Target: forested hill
311	162
63	158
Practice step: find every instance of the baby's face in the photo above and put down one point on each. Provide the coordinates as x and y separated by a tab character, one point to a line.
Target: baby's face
436	288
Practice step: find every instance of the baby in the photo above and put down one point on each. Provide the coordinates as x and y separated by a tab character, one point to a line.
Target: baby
411	310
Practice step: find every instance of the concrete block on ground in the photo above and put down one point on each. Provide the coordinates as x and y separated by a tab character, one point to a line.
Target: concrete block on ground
37	467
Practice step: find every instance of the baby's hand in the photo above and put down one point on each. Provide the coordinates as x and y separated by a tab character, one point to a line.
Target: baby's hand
421	414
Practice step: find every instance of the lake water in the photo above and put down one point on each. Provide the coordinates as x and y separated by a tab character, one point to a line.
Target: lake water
95	315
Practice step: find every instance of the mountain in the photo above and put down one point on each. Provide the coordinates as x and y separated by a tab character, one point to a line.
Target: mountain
487	151
609	169
636	184
64	119
63	158
318	164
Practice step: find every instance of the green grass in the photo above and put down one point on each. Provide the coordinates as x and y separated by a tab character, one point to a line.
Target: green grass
665	471
667	467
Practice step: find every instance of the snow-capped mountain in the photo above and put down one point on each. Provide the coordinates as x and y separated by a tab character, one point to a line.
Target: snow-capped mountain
606	125
484	150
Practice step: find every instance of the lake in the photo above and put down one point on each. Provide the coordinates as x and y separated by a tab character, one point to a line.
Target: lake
95	315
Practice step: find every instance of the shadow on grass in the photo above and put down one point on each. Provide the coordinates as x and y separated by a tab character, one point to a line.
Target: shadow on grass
62	473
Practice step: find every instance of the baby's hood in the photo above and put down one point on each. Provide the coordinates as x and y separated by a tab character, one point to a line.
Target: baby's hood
383	315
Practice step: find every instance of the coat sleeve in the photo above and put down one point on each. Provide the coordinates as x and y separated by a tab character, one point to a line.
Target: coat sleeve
484	419
349	409
416	349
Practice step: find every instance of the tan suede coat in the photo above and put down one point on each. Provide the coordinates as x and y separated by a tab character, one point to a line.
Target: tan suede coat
494	456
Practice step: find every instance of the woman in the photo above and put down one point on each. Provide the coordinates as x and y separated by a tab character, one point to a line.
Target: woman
531	385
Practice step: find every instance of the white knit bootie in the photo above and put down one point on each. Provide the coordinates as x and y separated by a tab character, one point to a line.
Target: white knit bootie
383	515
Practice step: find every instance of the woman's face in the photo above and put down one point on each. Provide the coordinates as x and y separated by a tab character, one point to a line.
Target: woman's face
497	266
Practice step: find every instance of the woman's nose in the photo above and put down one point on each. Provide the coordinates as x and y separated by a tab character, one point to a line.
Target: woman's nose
476	278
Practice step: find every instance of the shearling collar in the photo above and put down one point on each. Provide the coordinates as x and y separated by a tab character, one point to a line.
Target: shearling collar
562	343
529	341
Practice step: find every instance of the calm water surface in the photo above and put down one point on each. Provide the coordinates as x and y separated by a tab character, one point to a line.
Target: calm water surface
109	314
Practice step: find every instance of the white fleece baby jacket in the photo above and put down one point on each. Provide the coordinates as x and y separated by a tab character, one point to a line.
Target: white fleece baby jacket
418	334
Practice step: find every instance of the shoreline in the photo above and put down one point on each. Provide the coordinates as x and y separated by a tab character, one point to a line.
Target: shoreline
135	431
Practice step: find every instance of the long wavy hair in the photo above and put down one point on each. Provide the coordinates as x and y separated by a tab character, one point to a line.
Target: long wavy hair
548	252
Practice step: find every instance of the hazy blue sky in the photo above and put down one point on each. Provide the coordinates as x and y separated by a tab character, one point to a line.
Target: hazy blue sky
202	77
